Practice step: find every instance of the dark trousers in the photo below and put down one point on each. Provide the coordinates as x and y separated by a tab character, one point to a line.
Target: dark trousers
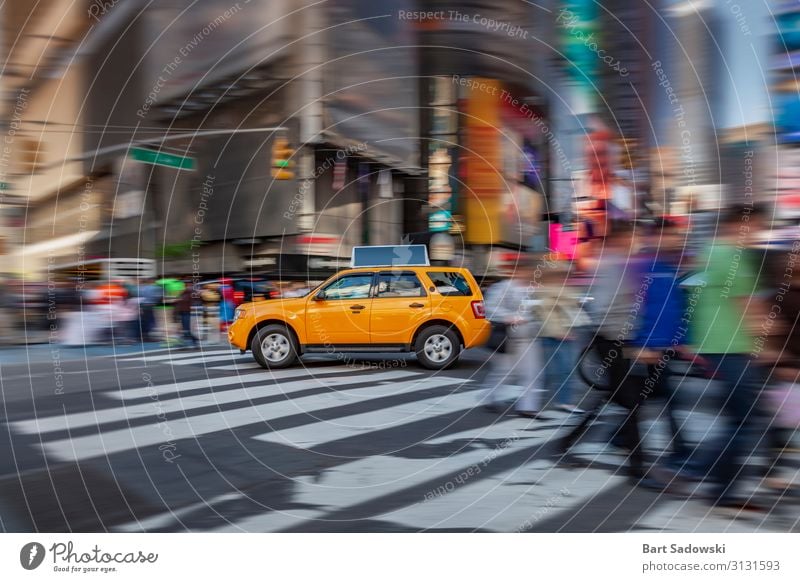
658	385
186	326
744	424
624	391
147	321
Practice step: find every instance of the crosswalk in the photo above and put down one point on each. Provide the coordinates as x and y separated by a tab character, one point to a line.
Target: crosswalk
223	359
405	446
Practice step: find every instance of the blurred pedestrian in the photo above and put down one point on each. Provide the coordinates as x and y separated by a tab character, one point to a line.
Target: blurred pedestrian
616	311
226	304
660	336
183	309
124	315
778	348
6	309
726	315
151	296
517	356
560	314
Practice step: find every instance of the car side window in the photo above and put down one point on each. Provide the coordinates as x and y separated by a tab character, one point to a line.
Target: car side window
450	283
349	287
399	285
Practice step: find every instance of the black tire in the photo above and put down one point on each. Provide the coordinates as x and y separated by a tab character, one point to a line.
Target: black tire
274	347
437	347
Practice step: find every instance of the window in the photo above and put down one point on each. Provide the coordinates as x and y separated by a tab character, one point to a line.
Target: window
350	287
399	285
450	283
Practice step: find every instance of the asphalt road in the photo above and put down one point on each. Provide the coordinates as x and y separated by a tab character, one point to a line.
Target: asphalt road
109	439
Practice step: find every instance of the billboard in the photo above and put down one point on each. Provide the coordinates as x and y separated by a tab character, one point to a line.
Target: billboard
502	163
482	161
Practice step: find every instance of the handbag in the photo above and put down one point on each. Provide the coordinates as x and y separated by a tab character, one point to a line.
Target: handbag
498	337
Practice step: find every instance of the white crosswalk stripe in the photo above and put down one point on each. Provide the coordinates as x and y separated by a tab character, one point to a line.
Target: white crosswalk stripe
383	419
179	355
185	403
119	440
263	376
246	365
237	357
222	359
228	360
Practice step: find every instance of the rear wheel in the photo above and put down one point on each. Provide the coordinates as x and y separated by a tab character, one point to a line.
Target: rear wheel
437	347
274	346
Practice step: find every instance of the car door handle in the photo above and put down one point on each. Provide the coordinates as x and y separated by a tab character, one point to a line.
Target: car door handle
356	307
417	305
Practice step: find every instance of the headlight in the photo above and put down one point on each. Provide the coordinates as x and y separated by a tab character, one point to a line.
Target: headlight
238	314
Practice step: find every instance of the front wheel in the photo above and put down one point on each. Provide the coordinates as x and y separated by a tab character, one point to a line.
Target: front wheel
274	346
437	347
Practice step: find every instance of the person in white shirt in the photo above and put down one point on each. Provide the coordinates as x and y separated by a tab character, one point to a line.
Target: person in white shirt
509	302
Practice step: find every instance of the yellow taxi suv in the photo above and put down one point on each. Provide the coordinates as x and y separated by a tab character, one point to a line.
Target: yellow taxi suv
391	300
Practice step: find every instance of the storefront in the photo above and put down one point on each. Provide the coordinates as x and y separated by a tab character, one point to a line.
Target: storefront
487	157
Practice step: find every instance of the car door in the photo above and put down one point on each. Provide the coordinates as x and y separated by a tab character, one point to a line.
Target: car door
400	305
338	314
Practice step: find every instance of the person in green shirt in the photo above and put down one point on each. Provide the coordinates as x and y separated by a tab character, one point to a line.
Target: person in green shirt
722	316
719	311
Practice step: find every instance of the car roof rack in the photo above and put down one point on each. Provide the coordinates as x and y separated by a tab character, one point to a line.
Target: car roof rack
390	256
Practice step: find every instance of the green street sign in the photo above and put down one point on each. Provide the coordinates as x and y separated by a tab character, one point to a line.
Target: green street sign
163	159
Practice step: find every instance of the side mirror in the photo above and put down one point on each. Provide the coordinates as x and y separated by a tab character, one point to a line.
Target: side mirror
320	296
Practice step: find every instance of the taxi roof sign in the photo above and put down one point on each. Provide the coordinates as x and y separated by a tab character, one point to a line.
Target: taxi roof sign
390	256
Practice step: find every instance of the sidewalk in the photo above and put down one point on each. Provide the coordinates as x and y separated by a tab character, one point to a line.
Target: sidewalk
38	353
37	346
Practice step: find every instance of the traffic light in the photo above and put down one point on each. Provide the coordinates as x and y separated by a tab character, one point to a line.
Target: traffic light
282	162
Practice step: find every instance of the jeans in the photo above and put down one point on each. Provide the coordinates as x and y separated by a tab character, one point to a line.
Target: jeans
724	458
559	361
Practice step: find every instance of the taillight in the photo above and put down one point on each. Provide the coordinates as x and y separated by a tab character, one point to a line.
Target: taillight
274	294
478	310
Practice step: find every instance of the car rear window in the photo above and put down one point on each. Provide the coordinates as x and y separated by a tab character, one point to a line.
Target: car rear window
450	283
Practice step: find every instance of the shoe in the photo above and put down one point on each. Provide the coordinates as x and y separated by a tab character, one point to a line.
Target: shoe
778	484
528	414
569	408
